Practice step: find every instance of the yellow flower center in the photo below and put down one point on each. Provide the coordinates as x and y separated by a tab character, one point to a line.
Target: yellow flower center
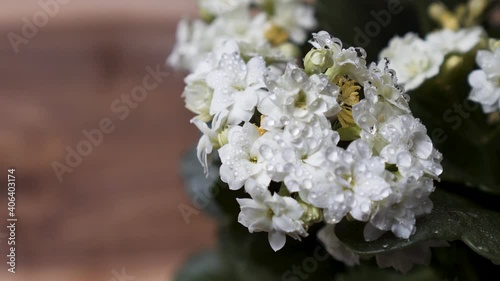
301	101
349	96
276	35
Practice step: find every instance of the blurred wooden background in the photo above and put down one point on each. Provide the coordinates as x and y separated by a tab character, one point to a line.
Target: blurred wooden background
119	208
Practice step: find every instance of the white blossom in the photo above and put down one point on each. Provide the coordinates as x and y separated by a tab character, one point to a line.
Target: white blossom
413	59
194	40
338	139
485	82
298	96
408	200
237	86
296	18
304	154
277	215
240	158
409	147
356	183
460	41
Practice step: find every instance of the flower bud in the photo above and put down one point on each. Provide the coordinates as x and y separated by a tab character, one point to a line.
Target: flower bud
318	61
311	214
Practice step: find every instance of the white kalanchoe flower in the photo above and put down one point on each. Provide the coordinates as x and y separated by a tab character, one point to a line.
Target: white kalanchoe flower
277	215
242	25
408	200
383	83
298	96
236	20
485	82
237	86
357	182
338	138
194	40
413	59
218	7
460	41
296	18
304	153
240	158
384	99
409	147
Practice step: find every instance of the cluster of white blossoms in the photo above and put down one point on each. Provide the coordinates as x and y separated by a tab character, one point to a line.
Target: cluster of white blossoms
427	57
316	145
268	28
416	60
485	82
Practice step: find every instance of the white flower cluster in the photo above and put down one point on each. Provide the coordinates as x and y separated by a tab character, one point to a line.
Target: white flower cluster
416	60
485	82
334	140
268	28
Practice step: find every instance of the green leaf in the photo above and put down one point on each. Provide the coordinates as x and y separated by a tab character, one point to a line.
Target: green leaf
453	218
206	266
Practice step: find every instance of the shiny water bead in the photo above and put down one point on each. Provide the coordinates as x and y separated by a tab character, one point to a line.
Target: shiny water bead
404	160
289	168
295	132
284	120
298	75
289	155
292	185
308	184
339	197
266	151
361	52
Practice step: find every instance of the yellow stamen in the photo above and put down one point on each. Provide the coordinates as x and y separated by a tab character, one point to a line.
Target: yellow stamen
276	35
348	97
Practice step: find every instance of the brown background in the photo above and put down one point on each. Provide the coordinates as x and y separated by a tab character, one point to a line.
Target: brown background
119	208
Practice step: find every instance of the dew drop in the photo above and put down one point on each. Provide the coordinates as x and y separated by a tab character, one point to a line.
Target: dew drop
266	152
